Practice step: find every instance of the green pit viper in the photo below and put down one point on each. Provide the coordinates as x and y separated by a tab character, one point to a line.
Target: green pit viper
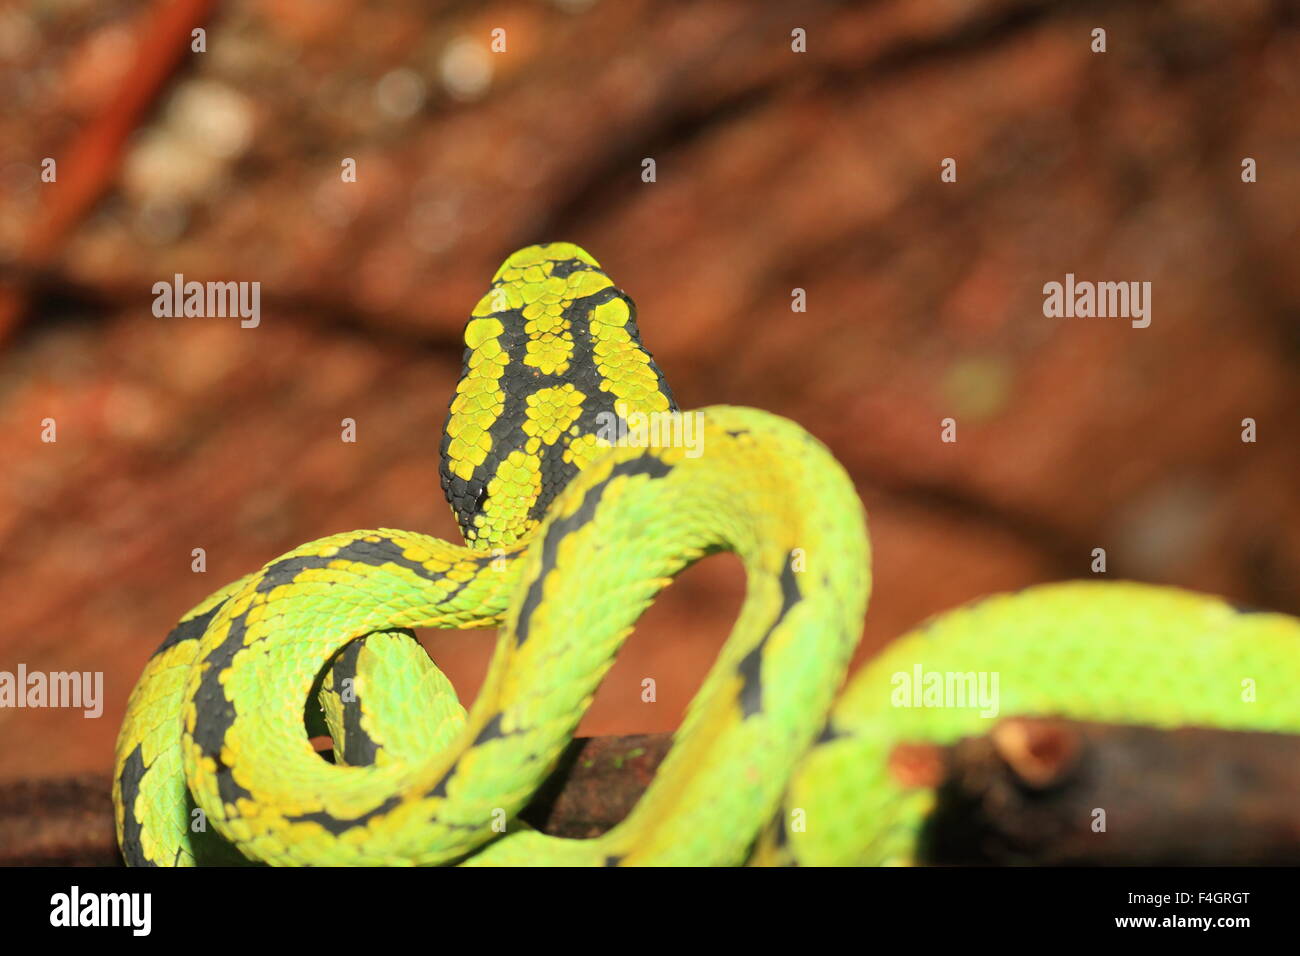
570	535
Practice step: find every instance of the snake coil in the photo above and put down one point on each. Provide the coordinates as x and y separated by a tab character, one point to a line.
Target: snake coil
574	519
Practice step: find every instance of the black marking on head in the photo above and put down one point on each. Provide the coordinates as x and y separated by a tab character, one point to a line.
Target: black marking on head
190	629
613	860
750	668
646	464
555	474
563	268
339	825
737	432
133	771
518	381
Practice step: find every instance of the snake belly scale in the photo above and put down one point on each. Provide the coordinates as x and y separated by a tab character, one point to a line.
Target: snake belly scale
569	536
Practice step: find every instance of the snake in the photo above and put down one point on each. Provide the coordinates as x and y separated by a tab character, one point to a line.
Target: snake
581	490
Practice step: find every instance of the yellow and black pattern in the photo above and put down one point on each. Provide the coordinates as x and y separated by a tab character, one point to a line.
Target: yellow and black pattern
569	540
549	349
153	806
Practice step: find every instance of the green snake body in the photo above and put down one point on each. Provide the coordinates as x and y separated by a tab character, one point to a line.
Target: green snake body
569	538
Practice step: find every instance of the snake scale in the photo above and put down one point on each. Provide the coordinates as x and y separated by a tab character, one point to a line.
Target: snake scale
571	532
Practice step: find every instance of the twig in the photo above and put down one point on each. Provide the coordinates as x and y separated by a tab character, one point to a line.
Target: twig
1033	791
1038	791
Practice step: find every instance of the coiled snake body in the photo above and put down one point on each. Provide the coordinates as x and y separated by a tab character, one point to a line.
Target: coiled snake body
571	533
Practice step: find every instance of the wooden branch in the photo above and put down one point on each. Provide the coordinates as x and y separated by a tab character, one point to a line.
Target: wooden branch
69	822
1027	793
596	784
66	822
1037	791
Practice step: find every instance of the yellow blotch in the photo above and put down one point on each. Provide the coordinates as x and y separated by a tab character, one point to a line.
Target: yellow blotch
551	411
511	493
479	331
486	305
518	261
550	345
623	365
567	250
584	450
612	313
478	400
582	284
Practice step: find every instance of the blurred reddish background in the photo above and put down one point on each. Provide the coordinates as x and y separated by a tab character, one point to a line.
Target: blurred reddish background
775	170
